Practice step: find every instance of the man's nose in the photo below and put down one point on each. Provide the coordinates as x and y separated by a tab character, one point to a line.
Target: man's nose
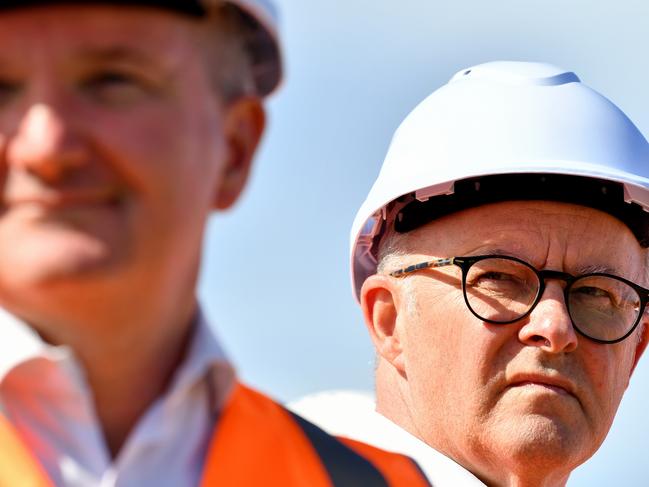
549	325
45	144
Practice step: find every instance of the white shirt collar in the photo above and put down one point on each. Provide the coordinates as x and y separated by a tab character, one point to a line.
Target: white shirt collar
21	344
61	427
205	356
353	415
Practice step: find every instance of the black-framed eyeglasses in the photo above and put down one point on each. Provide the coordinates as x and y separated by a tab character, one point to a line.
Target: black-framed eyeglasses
500	289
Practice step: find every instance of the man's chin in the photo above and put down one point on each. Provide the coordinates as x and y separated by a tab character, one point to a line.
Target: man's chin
541	439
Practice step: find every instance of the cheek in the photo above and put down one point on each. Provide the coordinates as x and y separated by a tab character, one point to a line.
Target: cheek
608	368
441	343
166	152
431	324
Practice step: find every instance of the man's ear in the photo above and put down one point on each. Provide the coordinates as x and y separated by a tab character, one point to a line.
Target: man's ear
380	305
243	125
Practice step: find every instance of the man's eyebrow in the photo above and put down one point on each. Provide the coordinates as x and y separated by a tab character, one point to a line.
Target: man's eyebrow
490	250
585	269
116	54
597	268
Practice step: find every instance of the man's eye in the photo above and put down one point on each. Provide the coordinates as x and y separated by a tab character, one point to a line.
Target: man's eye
596	296
499	280
592	292
115	87
8	90
111	78
497	277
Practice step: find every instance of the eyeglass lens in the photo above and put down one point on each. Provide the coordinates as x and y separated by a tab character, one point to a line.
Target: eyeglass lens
501	290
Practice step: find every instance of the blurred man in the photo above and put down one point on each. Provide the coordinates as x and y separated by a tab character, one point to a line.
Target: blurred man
123	125
500	261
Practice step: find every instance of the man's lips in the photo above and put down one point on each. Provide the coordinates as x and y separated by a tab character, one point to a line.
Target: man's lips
557	384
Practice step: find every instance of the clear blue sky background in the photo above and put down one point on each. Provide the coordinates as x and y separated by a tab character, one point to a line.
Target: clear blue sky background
275	279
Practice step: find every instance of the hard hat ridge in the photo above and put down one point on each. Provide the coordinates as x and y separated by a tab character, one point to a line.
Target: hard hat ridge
498	119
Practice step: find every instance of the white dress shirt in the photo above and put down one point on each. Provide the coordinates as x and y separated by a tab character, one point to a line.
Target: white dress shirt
353	415
44	394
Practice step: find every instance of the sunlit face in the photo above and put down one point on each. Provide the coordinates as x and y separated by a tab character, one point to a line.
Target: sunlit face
532	394
112	147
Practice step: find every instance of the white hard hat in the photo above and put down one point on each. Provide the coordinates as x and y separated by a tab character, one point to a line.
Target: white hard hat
259	18
494	121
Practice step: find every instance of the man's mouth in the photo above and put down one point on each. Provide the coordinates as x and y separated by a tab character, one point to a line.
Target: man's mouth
550	383
78	198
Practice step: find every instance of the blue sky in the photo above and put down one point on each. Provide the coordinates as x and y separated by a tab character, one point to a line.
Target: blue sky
275	279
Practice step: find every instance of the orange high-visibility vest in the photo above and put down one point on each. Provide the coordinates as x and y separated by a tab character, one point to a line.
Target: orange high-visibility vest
260	443
257	443
18	468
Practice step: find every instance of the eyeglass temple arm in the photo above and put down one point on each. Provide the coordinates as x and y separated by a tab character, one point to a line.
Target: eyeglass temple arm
423	265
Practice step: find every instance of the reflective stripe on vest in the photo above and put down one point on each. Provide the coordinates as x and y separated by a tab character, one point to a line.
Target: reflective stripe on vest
258	442
18	467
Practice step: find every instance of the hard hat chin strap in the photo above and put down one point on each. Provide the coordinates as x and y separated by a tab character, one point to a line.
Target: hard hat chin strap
600	194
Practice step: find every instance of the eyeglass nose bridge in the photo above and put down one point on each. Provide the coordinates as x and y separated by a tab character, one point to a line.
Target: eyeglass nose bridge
544	275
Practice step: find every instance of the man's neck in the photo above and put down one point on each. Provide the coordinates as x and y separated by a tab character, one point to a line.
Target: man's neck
128	360
127	377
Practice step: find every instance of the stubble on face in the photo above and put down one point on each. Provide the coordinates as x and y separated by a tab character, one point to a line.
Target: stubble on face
487	395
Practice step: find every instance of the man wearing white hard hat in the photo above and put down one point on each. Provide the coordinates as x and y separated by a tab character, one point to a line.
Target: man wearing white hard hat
123	124
500	261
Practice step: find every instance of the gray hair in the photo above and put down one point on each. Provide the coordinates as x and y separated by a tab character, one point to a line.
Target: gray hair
392	252
226	41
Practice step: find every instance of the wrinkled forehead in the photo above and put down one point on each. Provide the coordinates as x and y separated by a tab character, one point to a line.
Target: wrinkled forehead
30	14
36	36
541	232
